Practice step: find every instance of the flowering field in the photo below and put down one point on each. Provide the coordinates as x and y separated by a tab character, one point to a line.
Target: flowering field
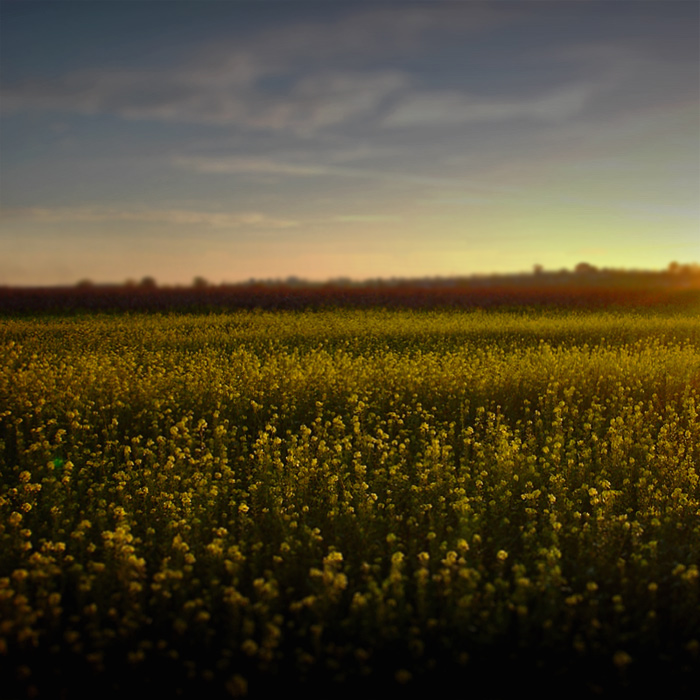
350	500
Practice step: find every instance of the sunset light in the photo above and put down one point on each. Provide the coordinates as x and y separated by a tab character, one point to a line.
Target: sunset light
345	139
349	349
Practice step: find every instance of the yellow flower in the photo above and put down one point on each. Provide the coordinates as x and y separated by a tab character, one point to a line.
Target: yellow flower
333	558
403	676
249	647
622	659
237	686
20	574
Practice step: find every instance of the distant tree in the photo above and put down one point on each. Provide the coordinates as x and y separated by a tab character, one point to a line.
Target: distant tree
200	283
537	269
584	268
148	283
85	284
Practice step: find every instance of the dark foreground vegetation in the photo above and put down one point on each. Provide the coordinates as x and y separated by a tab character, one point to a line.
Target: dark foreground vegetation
353	502
585	287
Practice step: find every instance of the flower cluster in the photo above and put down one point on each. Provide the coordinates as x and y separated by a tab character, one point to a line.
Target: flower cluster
347	497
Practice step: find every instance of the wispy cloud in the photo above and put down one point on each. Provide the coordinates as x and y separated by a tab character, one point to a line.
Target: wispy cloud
234	165
360	35
451	108
247	165
326	71
224	220
347	68
324	99
365	218
596	72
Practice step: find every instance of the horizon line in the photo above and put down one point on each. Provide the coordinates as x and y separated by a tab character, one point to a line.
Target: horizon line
581	269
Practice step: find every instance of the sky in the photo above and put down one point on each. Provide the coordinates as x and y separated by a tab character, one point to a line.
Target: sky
323	139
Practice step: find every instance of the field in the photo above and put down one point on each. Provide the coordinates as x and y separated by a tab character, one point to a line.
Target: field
350	501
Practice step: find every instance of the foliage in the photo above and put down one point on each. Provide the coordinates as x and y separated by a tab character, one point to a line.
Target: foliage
337	499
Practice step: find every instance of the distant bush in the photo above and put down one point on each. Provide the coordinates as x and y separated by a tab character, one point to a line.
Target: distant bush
587	287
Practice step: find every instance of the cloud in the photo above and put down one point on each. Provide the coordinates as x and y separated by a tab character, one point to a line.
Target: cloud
235	165
362	35
247	165
58	215
325	98
344	70
451	108
475	190
601	75
217	83
330	98
365	218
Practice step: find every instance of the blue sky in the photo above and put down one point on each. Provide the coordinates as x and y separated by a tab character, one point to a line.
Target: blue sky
326	139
